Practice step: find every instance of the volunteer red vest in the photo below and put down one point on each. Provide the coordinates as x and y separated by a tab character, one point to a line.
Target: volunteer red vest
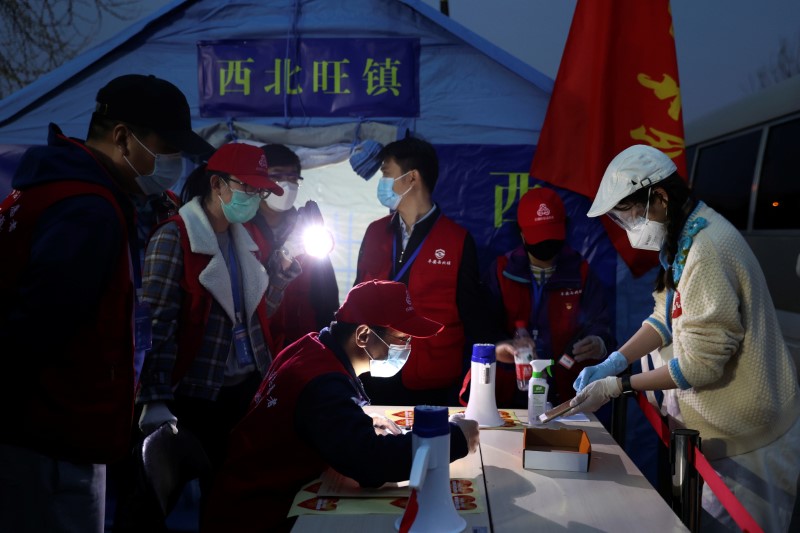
196	306
563	313
295	316
79	406
433	283
267	462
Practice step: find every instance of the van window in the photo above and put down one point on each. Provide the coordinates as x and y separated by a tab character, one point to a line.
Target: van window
723	175
778	200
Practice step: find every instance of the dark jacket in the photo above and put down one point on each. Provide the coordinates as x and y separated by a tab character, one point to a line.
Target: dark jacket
66	303
307	415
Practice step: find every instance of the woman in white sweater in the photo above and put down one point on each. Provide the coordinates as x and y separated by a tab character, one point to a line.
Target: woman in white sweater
731	375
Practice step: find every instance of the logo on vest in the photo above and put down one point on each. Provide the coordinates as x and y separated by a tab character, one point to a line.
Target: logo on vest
571	292
439	258
267	394
12	224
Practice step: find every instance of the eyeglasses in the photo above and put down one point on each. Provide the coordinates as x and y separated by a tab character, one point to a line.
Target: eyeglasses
251	191
403	340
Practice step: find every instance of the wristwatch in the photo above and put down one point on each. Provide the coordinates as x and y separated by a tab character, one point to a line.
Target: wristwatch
627	390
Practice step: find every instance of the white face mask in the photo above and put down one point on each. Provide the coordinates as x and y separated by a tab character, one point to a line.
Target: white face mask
167	170
285	202
649	234
395	359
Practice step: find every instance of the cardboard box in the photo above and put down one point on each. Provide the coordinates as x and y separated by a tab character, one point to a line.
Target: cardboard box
556	449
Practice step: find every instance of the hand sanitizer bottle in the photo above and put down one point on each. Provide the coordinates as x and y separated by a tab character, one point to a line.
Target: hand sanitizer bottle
537	390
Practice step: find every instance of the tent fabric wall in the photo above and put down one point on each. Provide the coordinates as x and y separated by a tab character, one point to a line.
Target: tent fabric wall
467	95
482	108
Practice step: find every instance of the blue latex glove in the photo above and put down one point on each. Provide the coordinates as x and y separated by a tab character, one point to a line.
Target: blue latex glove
612	366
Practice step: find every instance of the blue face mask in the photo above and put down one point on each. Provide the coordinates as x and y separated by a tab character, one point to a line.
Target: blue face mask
386	194
167	170
241	208
396	357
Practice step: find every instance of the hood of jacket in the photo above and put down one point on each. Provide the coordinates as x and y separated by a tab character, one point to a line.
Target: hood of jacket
63	158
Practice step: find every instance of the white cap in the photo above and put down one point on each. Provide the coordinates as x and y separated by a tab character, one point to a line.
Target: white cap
634	168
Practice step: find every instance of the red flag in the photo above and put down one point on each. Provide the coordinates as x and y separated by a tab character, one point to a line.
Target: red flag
617	85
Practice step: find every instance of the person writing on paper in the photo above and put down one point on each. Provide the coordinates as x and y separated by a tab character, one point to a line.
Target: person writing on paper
307	414
731	377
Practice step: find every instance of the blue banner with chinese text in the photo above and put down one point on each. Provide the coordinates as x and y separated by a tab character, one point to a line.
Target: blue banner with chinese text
312	77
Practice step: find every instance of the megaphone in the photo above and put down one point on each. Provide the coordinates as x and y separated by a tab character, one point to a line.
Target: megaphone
430	507
482	406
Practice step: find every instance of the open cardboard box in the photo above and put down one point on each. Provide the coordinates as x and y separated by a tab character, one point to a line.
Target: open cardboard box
556	449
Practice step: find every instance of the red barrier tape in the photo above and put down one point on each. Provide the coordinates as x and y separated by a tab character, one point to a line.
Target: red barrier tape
709	475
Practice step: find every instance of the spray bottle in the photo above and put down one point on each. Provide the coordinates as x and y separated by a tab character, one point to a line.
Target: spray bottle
537	389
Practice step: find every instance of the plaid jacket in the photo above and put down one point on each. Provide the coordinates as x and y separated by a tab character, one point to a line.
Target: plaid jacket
162	278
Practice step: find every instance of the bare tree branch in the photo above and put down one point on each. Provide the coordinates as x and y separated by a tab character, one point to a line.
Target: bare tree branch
784	65
37	36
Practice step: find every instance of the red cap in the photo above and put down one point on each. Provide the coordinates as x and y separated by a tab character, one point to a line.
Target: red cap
541	216
387	304
246	163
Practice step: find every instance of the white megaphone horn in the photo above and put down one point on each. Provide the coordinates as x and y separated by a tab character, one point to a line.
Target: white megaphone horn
482	406
430	507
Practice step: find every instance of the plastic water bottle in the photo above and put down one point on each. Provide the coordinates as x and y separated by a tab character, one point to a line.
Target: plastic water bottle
525	346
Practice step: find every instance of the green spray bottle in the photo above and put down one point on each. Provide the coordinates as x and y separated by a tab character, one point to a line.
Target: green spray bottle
537	389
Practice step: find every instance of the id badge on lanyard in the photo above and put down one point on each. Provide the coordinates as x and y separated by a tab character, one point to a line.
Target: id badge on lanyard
241	344
142	325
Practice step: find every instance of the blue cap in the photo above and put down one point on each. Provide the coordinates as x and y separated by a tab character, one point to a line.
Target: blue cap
483	353
364	158
430	421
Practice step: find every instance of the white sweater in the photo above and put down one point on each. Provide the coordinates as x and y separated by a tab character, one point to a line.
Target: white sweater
738	384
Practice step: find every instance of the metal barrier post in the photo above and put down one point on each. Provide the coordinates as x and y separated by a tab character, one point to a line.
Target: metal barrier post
686	482
619	417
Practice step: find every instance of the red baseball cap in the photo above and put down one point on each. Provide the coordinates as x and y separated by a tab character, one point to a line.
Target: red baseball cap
246	163
388	304
541	216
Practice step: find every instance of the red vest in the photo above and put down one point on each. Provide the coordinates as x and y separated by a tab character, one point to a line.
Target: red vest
433	284
295	316
563	312
196	306
79	405
267	462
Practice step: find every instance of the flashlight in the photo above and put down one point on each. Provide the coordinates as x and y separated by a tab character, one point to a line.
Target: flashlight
318	241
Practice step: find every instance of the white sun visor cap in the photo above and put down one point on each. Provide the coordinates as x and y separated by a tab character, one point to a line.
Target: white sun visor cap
634	168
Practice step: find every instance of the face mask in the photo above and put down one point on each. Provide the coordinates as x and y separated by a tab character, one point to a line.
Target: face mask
386	194
545	250
167	170
395	359
285	202
241	208
649	235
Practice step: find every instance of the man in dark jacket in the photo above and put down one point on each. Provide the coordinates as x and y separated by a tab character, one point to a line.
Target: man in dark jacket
312	297
67	297
308	414
551	289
